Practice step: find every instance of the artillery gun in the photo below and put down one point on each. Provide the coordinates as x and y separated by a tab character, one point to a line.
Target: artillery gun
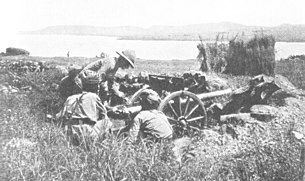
187	111
182	100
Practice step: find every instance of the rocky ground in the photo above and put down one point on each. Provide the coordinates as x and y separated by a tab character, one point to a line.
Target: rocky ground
242	144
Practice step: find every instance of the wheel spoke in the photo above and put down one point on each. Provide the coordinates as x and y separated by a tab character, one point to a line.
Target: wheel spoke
187	105
171	119
195	119
180	109
191	112
173	110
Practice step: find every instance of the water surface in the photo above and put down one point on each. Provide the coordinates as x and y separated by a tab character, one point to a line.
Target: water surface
91	46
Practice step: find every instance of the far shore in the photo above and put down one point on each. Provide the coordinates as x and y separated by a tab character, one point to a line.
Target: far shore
161	38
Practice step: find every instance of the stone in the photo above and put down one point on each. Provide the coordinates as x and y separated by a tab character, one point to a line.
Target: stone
11	51
216	83
287	87
294	102
297	135
235	119
263	112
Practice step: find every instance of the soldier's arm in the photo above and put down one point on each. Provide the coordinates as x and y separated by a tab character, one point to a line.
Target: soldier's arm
94	66
135	128
114	89
102	109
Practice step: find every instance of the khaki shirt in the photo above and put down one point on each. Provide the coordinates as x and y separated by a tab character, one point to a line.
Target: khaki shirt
105	68
86	105
151	123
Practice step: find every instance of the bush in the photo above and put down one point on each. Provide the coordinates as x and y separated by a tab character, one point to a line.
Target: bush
212	56
44	95
216	56
253	57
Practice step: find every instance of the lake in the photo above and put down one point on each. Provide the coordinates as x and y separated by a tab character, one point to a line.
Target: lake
90	46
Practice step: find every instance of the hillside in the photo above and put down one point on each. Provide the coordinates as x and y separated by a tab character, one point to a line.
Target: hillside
33	148
208	31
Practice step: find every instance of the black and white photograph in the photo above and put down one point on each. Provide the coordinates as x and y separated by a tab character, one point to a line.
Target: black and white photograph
122	90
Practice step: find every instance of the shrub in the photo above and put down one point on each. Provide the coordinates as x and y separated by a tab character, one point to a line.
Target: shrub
44	94
212	56
252	57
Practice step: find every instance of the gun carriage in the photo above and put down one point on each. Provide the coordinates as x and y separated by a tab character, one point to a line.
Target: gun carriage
183	99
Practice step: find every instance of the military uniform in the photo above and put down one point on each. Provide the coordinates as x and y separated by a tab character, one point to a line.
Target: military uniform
104	67
151	124
84	115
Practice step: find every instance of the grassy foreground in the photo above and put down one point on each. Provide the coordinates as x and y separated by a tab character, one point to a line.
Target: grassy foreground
33	149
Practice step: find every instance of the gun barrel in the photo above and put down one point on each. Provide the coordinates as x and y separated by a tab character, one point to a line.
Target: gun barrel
214	94
162	76
135	109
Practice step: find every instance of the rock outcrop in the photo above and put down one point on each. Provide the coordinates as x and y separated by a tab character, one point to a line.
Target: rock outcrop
11	51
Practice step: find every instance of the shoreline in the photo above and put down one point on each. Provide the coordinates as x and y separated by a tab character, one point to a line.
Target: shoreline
149	38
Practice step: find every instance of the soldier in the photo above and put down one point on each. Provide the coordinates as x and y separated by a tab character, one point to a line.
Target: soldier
150	123
83	114
108	66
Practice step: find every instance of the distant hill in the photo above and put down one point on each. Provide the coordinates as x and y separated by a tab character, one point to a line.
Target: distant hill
208	31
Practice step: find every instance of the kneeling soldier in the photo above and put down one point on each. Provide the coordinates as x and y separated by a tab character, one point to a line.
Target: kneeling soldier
83	114
150	123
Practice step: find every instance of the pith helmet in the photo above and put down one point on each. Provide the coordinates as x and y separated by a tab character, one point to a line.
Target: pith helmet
151	96
128	55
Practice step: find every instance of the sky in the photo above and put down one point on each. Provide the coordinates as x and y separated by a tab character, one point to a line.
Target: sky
20	15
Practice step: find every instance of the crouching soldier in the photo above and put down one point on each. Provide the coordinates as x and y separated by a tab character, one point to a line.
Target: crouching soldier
83	114
150	123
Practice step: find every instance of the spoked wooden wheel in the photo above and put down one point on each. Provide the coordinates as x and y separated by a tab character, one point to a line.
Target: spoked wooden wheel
134	100
185	111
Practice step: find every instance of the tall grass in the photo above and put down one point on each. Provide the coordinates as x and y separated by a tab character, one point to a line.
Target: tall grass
33	149
47	155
